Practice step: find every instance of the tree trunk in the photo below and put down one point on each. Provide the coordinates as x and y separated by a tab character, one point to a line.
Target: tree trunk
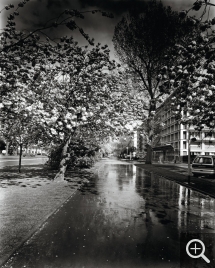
63	163
149	155
20	156
7	147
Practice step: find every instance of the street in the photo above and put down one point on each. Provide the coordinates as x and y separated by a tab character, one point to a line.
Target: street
124	217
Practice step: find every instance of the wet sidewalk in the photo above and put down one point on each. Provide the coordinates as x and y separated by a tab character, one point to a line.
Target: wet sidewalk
27	200
123	217
179	173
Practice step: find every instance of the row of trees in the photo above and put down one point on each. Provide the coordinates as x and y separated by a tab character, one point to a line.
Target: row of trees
58	93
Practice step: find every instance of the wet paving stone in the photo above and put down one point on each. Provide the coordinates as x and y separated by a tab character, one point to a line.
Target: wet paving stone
124	217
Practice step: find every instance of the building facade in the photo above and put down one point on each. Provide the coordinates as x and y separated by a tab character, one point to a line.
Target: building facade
175	138
177	135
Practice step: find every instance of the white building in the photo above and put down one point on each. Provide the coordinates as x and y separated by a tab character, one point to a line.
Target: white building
176	134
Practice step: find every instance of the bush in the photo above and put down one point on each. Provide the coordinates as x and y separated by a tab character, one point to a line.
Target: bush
84	162
77	158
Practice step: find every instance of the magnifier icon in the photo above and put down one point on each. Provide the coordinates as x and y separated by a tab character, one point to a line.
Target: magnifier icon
197	249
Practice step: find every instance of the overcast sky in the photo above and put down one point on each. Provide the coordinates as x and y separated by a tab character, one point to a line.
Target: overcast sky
101	28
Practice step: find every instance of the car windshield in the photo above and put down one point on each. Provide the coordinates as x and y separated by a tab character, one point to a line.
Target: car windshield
203	160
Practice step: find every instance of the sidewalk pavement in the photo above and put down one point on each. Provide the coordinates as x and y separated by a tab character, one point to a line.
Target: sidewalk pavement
179	174
27	200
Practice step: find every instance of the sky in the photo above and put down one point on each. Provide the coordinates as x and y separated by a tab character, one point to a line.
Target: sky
36	12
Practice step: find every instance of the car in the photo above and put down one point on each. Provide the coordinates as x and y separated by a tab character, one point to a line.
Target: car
204	165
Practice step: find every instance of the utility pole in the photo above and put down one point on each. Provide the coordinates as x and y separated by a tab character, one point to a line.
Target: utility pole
189	167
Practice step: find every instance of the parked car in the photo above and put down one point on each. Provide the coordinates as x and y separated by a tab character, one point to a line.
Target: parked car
204	165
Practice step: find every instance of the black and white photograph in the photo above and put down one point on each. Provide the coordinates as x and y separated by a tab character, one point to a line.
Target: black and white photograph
107	133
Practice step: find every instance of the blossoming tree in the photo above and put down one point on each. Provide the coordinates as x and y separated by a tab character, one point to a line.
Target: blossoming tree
56	90
191	78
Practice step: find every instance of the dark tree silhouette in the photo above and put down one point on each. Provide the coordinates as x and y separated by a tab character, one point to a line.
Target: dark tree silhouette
144	43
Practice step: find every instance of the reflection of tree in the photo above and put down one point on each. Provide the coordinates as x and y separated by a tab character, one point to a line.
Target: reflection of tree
143	182
125	175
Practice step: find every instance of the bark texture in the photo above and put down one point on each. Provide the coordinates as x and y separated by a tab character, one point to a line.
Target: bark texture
63	163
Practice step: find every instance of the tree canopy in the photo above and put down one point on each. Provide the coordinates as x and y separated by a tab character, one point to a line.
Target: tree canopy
191	78
145	43
58	92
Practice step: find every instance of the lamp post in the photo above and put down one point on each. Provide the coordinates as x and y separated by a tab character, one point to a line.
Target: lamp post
189	168
189	162
127	150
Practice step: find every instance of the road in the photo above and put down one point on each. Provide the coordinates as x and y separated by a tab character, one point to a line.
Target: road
14	160
125	217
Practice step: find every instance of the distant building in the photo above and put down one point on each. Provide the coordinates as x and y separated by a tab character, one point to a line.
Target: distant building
173	143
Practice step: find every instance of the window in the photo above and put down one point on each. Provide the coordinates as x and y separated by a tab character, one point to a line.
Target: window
192	134
184	145
172	137
207	134
203	160
196	145
184	135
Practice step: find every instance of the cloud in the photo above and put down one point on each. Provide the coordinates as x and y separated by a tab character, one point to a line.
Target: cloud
116	7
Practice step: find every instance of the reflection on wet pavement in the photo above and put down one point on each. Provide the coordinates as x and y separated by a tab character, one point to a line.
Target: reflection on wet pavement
125	217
